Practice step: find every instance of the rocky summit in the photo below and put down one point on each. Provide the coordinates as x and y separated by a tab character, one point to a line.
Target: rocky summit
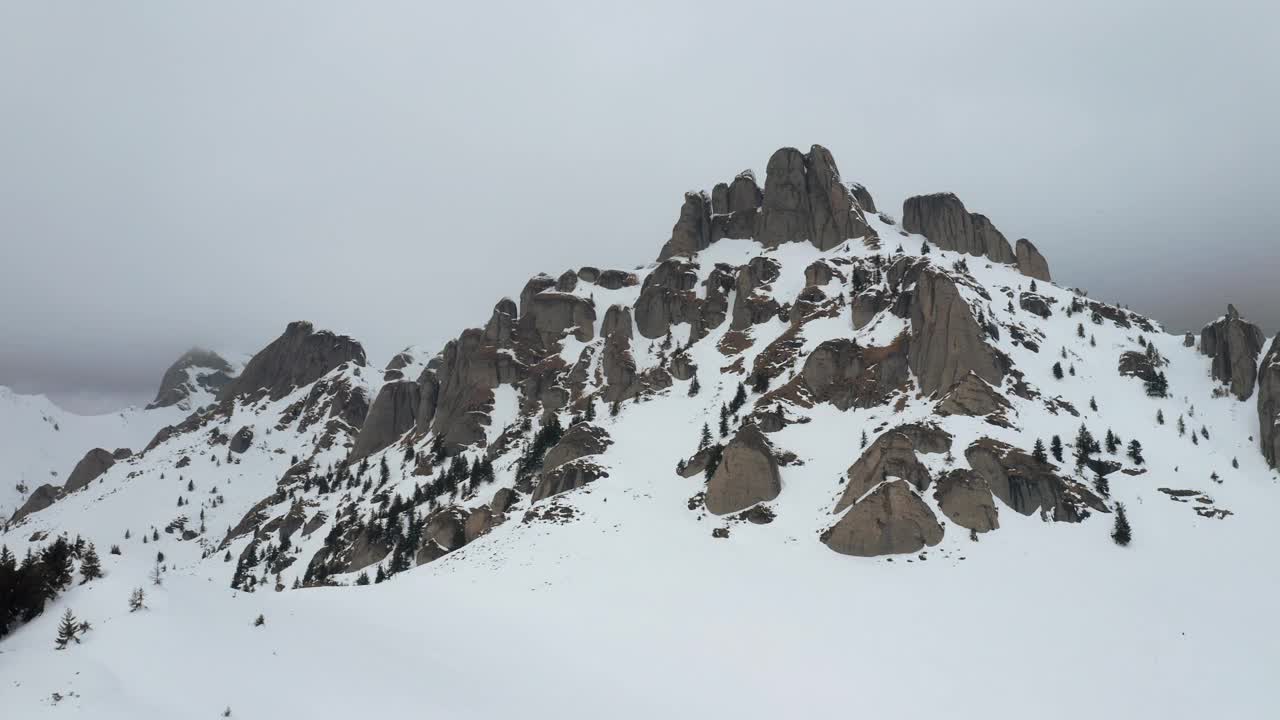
804	410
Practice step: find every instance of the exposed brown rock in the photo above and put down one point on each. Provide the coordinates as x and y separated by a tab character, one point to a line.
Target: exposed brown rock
965	498
1028	486
1030	262
39	499
892	519
298	357
892	455
847	375
242	440
947	343
94	463
974	397
943	219
692	232
391	415
1234	345
211	373
1035	304
747	474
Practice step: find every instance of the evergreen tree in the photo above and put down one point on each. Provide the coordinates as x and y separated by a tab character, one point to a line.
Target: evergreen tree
924	248
590	413
1057	370
362	578
1135	451
1033	286
1038	454
68	630
1055	447
760	384
90	566
1158	386
615	408
137	600
1182	426
1080	330
864	438
1160	417
705	440
1121	532
694	386
724	425
1112	442
1102	486
380	576
739	399
713	460
1235	463
1093	404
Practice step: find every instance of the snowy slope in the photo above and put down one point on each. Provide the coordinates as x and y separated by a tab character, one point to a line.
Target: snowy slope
616	600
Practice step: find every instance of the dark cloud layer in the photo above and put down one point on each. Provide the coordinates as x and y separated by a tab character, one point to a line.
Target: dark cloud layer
179	174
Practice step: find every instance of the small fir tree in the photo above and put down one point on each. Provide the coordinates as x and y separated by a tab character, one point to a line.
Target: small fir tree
1055	447
1121	533
137	600
68	630
1057	370
1038	452
1135	452
90	566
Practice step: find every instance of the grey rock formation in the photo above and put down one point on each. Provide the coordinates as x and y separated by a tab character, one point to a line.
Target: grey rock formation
1234	345
892	519
863	197
750	307
90	468
568	465
943	219
947	343
1028	486
298	357
196	370
892	455
747	474
804	199
1035	304
391	415
1269	404
568	476
1030	262
41	498
964	497
847	375
242	440
974	397
692	232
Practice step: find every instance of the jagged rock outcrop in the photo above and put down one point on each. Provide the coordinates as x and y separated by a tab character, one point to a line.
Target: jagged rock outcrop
1028	486
567	466
196	370
1269	404
943	219
892	455
1030	262
747	474
735	212
692	232
1138	364
892	519
392	414
749	307
1234	345
974	397
618	364
805	200
90	468
947	343
847	375
965	498
1035	304
667	297
568	476
39	499
299	357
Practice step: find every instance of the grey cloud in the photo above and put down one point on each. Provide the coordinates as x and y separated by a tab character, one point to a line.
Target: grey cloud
203	174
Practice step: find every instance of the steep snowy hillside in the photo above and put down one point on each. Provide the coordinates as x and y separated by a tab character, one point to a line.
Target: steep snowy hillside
811	460
42	443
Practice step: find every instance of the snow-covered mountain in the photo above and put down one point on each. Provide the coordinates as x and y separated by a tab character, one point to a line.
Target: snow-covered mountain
811	460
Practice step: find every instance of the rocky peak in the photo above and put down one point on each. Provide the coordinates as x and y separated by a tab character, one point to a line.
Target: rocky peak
197	370
299	357
1234	345
943	219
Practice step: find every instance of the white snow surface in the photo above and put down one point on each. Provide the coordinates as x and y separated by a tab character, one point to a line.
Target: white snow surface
634	610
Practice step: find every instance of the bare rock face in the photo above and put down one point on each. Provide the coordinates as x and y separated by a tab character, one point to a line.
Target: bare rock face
965	499
41	498
747	474
90	468
974	397
667	297
479	522
805	200
1269	404
1028	486
1030	262
892	455
947	343
298	357
863	197
568	476
847	375
552	314
241	440
196	370
1137	364
1035	304
569	464
692	232
943	219
750	307
1234	346
621	377
891	520
391	415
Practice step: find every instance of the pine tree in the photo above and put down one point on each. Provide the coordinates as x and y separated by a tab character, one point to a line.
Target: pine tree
137	600
1112	442
1033	286
1080	330
694	386
724	425
68	630
1159	417
705	440
1121	532
1055	447
590	414
1093	404
1038	454
90	566
1085	445
1235	463
1102	486
362	578
1135	451
1182	426
864	438
615	408
739	399
157	577
259	621
380	576
1057	370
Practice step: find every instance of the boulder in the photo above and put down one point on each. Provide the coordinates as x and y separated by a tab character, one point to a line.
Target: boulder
298	357
1188	340
892	519
1030	262
502	500
242	440
479	521
581	440
1138	364
94	463
447	528
1234	345
747	474
974	397
391	415
1035	304
964	497
568	476
863	197
1269	404
892	455
947	343
943	219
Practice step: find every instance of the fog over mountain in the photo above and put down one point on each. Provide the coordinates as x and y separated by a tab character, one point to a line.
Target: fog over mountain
202	175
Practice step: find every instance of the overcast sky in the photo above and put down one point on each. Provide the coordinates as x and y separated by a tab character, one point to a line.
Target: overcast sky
202	173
